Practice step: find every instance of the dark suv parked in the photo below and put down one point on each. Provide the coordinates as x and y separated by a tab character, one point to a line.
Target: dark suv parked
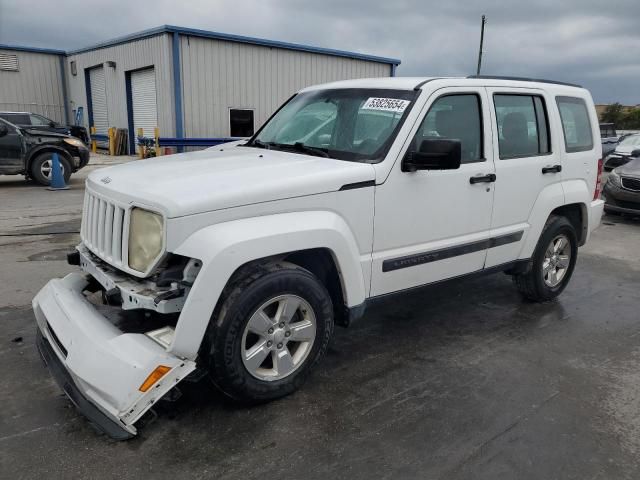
38	122
622	190
28	152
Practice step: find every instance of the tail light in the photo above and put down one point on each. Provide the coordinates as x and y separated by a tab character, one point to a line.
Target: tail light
598	190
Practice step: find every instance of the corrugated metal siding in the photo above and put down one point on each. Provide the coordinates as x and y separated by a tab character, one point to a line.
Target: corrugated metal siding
148	52
218	75
35	87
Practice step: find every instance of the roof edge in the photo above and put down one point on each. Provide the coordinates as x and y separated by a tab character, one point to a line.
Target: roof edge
194	32
23	48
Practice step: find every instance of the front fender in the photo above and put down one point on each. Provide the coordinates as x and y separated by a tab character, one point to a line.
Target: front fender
225	247
38	149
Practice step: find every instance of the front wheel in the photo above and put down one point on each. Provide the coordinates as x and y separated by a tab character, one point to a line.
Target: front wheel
273	327
553	261
42	165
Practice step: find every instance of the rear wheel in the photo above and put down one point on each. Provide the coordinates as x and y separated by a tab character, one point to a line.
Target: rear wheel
41	168
553	261
273	327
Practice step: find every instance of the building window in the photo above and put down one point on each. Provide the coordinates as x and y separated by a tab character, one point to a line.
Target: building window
240	122
9	62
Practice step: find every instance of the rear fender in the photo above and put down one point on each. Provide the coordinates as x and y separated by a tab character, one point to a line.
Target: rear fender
550	198
225	247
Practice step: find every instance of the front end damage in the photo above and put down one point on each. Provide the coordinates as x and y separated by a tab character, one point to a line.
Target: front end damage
105	338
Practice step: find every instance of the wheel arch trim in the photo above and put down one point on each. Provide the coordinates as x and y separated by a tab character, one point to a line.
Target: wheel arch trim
34	152
226	247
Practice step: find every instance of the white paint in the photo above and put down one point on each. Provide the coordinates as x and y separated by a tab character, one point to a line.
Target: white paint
231	204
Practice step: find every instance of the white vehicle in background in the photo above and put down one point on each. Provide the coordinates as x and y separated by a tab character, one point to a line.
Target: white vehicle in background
626	150
239	260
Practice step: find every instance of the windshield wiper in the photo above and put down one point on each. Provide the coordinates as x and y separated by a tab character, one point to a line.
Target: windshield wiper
261	144
298	146
318	152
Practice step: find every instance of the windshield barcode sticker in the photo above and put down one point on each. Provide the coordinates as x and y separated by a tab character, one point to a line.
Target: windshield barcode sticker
386	104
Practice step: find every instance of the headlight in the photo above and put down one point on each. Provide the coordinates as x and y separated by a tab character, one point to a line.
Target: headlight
75	142
145	238
614	178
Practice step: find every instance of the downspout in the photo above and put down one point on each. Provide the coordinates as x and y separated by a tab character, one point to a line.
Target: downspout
177	87
65	96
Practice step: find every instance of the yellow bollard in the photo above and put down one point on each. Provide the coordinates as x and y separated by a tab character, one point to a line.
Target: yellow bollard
94	144
112	141
140	147
156	134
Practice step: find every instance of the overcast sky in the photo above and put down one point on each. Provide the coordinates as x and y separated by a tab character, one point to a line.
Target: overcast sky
593	43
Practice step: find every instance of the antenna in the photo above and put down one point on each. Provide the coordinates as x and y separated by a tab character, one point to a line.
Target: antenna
484	21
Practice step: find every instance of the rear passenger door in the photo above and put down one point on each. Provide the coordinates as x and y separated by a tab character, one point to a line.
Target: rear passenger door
525	162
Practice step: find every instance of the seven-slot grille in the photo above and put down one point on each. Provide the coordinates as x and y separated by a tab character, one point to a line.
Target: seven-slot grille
102	228
631	183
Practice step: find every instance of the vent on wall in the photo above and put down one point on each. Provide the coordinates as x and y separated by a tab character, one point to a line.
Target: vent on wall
9	62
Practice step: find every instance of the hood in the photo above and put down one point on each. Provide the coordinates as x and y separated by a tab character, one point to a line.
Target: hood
630	169
626	149
215	179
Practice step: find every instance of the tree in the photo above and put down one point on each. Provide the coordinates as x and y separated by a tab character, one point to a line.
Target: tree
614	113
631	119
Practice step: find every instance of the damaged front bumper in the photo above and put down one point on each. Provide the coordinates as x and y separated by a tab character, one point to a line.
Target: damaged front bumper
100	367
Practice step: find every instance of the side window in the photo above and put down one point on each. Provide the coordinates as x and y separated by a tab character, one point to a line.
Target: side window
575	124
455	117
40	121
19	119
523	126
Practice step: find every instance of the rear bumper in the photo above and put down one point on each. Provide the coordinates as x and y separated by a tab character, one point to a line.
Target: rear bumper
596	208
98	366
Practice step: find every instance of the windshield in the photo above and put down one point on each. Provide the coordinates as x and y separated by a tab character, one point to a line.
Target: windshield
631	141
346	124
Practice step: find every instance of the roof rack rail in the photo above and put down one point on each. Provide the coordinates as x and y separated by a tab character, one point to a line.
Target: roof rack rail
524	79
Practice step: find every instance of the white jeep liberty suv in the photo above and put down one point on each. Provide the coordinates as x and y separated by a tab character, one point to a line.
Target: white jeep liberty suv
240	259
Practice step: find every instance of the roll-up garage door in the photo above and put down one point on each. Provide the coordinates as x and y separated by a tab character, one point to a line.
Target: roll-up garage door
143	97
100	112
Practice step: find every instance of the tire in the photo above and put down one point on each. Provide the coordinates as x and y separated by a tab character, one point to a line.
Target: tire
39	164
535	284
230	338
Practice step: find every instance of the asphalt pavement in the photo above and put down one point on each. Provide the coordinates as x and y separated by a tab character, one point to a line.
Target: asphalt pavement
459	380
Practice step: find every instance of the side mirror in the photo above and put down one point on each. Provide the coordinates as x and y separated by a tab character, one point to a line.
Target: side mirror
53	124
434	154
636	153
3	130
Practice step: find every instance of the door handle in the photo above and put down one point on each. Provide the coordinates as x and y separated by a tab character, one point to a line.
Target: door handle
552	169
490	177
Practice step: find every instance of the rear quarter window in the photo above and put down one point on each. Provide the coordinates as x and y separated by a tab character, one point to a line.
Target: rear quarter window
576	126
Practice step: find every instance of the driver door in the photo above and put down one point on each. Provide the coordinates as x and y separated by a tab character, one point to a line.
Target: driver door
431	225
11	160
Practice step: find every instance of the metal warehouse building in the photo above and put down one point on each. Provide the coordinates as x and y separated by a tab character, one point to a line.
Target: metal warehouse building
191	84
32	79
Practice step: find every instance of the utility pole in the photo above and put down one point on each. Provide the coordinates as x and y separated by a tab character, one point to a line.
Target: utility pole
484	21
